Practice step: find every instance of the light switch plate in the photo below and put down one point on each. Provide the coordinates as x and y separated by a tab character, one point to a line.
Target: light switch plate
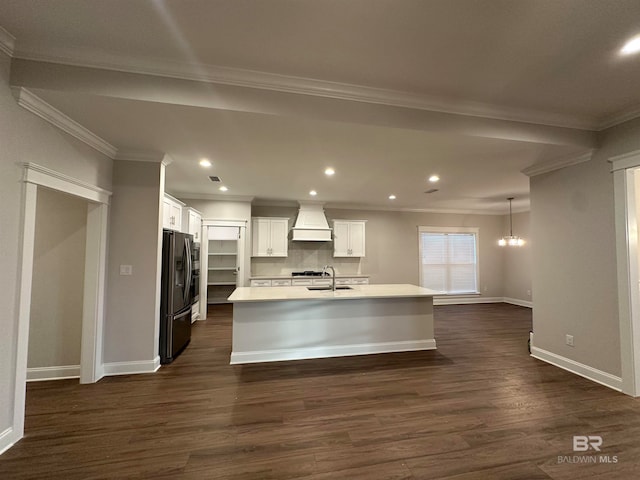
126	269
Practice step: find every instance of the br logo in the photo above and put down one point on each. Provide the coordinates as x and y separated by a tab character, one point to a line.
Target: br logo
582	443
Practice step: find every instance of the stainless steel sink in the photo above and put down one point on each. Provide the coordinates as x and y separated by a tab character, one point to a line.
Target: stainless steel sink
328	287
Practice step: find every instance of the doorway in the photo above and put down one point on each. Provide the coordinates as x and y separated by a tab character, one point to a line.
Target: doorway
55	324
36	178
626	181
222	262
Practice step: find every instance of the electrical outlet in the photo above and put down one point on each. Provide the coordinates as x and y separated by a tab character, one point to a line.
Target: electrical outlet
528	293
569	340
126	270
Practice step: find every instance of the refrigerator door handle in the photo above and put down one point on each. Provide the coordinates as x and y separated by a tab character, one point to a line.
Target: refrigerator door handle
187	277
183	314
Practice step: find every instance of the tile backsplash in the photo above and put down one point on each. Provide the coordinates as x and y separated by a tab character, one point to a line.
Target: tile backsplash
305	256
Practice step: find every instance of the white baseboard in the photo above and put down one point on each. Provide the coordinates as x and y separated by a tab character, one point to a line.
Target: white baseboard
590	373
520	303
462	300
41	374
467	300
128	368
7	440
330	351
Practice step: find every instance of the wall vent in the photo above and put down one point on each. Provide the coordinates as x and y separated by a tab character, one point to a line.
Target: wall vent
214	178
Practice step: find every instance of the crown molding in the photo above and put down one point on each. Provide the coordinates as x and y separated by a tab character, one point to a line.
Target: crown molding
213	196
265	202
556	164
454	211
7	42
262	202
143	156
30	101
625	115
307	86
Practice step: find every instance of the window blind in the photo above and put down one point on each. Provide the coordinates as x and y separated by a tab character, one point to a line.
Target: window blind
449	262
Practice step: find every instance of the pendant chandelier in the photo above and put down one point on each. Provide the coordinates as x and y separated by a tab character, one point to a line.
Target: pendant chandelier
511	240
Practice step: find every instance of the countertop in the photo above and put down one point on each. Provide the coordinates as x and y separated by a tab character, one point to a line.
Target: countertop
259	294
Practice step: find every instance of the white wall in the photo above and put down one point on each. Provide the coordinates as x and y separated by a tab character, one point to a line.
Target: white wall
574	268
27	138
132	315
55	325
517	260
219	210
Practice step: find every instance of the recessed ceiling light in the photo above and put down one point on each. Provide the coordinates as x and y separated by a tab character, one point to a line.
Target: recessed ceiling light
313	193
392	197
329	171
205	162
632	46
223	188
434	178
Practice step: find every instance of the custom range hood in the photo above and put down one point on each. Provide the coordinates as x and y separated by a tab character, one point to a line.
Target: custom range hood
311	224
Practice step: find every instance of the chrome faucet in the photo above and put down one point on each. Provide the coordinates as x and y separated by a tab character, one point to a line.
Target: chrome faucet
333	277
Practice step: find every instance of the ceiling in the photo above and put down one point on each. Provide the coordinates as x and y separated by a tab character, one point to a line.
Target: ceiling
386	92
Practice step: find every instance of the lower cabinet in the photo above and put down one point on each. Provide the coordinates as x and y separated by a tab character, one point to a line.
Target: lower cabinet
304	282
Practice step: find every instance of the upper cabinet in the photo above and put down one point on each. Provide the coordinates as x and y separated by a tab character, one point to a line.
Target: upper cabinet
269	236
172	213
348	238
192	223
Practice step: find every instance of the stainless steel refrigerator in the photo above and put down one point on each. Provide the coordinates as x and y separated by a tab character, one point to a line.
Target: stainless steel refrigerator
177	295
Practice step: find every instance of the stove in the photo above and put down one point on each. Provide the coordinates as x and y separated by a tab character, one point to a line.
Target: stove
308	273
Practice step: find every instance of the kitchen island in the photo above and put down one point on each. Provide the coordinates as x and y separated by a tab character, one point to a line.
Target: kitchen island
292	323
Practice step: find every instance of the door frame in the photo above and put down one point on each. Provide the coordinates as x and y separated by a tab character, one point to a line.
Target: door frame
624	168
91	363
243	274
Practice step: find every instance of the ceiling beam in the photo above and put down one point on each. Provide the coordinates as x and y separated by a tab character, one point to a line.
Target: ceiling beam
152	88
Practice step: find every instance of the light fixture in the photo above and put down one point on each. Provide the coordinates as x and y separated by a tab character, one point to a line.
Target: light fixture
632	46
434	178
223	188
392	197
511	239
313	193
329	171
205	162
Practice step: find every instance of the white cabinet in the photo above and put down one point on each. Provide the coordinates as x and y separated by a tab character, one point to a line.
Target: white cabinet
269	237
172	213
348	238
352	281
306	282
192	223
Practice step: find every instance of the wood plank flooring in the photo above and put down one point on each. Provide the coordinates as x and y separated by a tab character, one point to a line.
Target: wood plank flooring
477	408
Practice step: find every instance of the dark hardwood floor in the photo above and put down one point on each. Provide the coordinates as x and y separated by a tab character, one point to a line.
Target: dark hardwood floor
477	408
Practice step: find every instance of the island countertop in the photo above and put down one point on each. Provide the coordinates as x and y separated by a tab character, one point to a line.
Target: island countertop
260	294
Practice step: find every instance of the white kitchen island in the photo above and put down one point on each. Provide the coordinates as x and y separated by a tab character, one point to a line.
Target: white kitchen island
291	323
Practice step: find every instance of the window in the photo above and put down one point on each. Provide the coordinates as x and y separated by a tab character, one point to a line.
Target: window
448	259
